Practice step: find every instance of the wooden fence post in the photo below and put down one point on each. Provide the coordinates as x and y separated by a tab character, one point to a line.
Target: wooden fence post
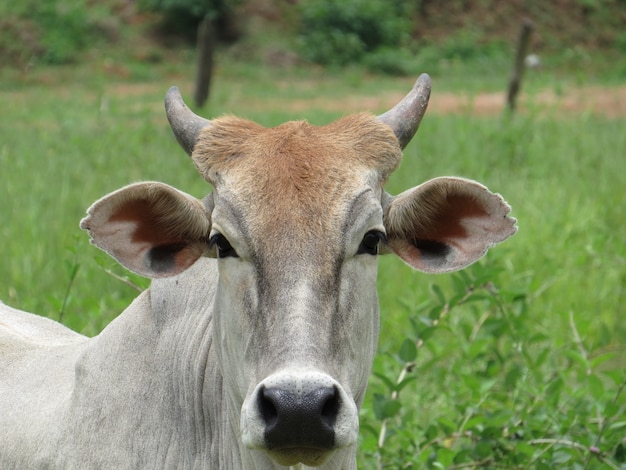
518	67
205	46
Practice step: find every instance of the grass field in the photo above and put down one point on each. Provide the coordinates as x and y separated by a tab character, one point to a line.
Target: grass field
518	363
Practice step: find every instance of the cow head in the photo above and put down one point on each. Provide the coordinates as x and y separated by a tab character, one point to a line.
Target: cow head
296	220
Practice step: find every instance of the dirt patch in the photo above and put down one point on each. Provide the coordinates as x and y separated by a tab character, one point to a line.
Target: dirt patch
607	102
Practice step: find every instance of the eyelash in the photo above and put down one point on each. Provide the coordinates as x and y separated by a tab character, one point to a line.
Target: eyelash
369	245
371	242
223	246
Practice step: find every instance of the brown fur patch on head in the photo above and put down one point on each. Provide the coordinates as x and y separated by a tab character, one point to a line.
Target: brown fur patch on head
296	181
231	144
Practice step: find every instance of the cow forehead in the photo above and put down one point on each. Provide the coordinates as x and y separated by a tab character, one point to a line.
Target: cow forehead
302	175
296	153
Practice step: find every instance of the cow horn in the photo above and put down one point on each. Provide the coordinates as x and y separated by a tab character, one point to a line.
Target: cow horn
405	117
185	124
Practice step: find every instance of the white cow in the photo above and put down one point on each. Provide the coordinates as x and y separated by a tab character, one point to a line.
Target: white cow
253	346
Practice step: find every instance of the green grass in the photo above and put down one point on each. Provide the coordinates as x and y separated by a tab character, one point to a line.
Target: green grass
495	375
482	385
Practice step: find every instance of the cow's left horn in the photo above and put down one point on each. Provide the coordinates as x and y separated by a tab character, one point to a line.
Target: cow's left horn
185	124
405	117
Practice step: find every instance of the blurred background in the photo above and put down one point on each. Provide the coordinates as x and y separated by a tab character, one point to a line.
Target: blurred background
397	37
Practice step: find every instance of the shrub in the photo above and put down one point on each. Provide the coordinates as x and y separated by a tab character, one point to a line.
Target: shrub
182	17
392	61
474	384
66	30
54	31
337	32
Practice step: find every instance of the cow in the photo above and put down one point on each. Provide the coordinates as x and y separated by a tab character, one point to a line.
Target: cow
253	346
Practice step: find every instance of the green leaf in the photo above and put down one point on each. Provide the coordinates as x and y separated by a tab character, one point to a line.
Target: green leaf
446	425
575	356
513	376
484	449
431	432
455	299
445	457
435	312
541	358
463	456
596	387
438	293
391	409
475	423
427	333
405	382
491	432
368	428
525	449
561	456
464	279
379	406
472	382
478	348
385	407
479	296
500	418
486	385
596	361
390	384
617	376
490	274
460	287
418	326
617	425
408	351
611	409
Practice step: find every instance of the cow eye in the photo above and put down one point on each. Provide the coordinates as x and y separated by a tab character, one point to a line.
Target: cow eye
370	242
224	248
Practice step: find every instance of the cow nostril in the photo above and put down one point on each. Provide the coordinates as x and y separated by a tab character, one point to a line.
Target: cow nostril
330	410
294	419
267	408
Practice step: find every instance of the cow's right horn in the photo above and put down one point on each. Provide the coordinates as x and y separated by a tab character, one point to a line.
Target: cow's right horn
405	117
185	124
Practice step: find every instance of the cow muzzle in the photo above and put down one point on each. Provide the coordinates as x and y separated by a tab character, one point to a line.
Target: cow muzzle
299	417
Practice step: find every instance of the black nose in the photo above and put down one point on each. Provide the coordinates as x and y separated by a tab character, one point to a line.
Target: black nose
299	420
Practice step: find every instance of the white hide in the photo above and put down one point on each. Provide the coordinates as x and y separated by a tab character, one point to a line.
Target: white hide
145	393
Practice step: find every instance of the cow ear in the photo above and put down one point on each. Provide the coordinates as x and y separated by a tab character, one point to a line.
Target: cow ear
446	224
150	228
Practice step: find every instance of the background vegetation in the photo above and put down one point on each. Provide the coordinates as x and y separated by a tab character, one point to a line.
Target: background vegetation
516	362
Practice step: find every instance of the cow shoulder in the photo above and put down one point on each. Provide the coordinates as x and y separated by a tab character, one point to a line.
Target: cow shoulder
27	329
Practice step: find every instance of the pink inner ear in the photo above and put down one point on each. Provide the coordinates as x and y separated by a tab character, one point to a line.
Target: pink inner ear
163	260
157	248
447	223
150	228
